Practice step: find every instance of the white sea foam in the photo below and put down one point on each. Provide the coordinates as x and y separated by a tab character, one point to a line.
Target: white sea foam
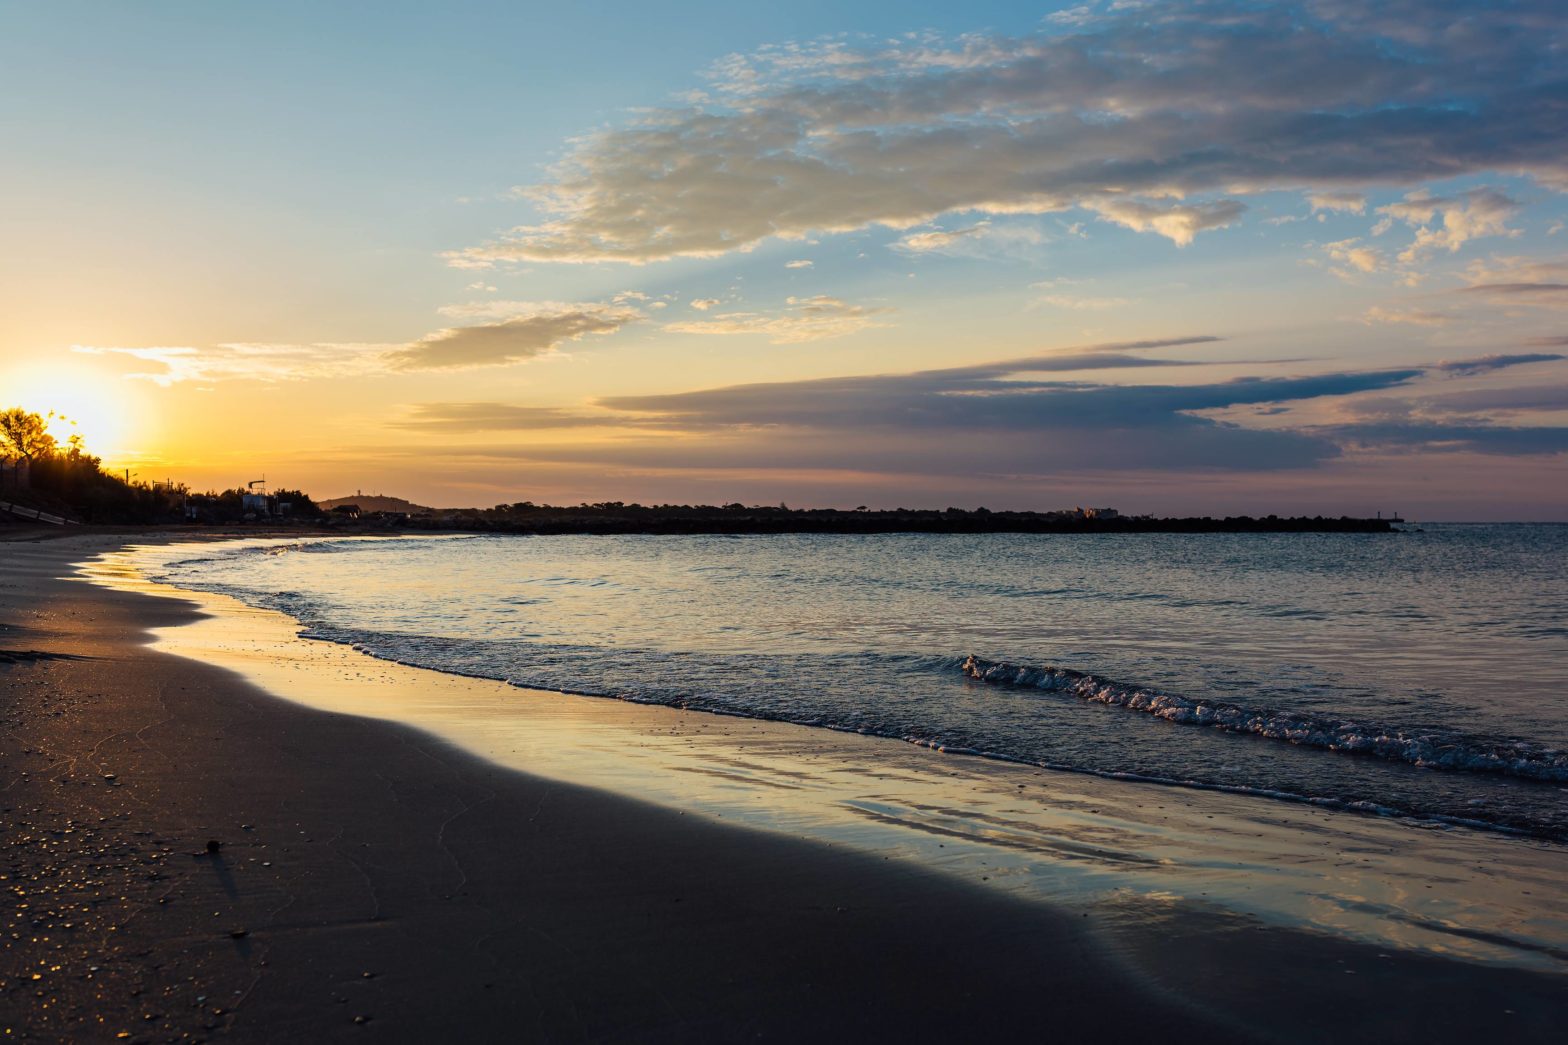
1431	751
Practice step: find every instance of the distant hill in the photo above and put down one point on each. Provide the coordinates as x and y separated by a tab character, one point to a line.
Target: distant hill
376	503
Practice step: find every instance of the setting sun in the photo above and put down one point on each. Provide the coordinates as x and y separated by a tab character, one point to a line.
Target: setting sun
81	401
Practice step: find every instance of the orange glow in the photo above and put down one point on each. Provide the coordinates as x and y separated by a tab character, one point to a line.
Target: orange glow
84	402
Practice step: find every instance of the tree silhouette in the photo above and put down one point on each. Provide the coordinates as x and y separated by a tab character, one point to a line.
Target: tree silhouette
25	434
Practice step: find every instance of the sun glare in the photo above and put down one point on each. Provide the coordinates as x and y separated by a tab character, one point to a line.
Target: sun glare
83	402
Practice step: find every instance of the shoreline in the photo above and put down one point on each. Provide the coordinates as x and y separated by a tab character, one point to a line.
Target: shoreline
1039	944
889	797
1008	676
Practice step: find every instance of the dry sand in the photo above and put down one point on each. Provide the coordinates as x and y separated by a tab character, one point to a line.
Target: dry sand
373	879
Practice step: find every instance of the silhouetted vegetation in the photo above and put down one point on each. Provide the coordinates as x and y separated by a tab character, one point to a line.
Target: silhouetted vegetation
615	517
69	481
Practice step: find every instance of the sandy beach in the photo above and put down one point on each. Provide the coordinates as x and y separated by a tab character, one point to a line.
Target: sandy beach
213	828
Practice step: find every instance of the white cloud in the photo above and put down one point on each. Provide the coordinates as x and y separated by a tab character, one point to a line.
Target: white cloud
1347	202
799	263
803	319
1360	258
938	239
983	238
703	304
1179	223
1449	222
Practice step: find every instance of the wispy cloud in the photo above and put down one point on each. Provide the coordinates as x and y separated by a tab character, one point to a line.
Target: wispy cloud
1487	364
1346	202
1179	223
505	332
939	239
802	319
491	417
1120	110
1034	415
1515	280
981	239
267	363
521	330
1081	301
1409	316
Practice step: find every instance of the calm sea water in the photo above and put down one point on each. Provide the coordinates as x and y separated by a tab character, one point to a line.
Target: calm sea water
1420	674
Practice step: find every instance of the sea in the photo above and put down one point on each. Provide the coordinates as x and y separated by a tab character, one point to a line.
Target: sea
1419	674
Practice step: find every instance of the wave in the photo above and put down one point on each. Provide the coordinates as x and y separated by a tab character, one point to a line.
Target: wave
1431	751
426	652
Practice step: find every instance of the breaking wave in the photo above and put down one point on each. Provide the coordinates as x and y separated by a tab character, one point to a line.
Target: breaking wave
1431	751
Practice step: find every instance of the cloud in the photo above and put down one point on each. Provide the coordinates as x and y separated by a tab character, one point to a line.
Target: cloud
522	330
1535	398
1017	418
1347	202
1449	222
1514	280
970	422
1516	290
1199	101
991	420
982	239
1413	316
1506	440
490	417
799	263
267	363
938	239
803	319
1180	223
1348	252
1081	302
703	304
1487	364
511	332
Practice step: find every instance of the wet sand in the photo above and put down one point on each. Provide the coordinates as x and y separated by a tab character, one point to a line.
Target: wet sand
376	879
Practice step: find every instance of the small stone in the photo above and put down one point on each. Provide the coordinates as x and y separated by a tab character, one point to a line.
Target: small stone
213	845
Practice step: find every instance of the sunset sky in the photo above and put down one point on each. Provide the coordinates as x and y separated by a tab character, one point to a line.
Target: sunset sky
1172	257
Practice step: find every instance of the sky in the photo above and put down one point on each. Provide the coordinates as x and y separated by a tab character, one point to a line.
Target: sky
1186	257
